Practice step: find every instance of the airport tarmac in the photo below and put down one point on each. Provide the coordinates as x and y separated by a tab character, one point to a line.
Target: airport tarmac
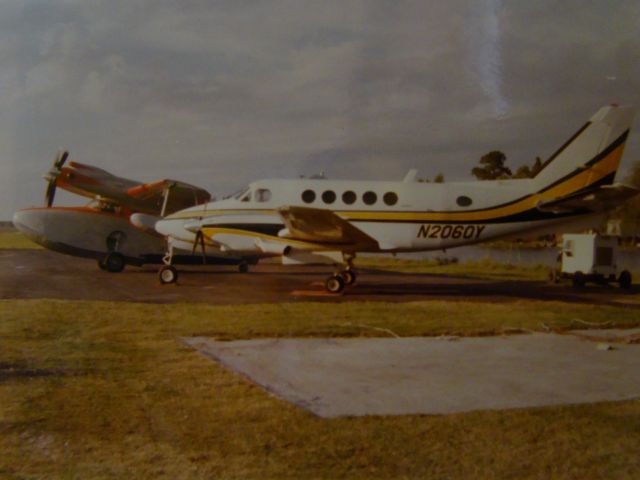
46	274
408	376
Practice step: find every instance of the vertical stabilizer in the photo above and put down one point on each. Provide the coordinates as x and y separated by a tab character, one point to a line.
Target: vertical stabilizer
590	157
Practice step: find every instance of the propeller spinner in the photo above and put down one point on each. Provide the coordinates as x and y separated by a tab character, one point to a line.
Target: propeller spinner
52	177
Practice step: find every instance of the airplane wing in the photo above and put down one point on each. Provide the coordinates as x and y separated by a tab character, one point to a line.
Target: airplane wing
597	199
323	226
93	182
181	195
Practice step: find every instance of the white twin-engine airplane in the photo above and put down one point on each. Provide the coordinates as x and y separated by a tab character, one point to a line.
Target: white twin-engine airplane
303	219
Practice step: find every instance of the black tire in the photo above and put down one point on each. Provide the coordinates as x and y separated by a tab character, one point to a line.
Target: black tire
168	274
334	284
579	279
553	276
114	262
101	264
348	276
243	267
624	280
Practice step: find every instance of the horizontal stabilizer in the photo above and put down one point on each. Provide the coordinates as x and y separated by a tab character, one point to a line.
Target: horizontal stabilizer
597	199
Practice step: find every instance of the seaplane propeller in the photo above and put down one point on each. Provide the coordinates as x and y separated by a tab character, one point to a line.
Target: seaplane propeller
52	176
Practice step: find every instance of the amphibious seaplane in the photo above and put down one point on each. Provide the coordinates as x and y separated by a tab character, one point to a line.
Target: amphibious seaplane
117	227
304	218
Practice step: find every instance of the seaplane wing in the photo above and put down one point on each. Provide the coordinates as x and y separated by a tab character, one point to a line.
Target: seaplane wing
93	182
597	199
181	195
323	226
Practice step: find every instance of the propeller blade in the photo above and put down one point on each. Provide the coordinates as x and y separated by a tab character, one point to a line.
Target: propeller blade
62	158
52	177
50	193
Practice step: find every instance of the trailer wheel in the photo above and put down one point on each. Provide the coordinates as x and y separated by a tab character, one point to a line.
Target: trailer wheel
579	279
624	280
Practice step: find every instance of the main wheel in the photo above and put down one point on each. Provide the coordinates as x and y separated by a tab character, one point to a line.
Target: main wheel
624	280
579	279
348	276
243	267
334	284
168	274
114	262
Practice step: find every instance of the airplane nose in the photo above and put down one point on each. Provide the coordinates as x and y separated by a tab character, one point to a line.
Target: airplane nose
30	223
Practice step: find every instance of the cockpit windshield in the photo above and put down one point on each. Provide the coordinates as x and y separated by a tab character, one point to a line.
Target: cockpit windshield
238	195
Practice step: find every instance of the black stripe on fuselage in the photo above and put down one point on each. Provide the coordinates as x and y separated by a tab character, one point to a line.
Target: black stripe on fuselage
264	228
591	163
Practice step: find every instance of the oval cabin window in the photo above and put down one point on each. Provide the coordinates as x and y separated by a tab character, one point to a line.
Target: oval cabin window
464	201
349	197
308	196
328	197
390	198
369	198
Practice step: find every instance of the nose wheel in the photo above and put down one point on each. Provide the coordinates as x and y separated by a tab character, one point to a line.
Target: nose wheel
168	274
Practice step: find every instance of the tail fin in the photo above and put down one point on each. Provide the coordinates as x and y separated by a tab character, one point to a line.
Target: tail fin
592	156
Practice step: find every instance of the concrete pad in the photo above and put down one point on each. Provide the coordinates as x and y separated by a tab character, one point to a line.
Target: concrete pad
350	377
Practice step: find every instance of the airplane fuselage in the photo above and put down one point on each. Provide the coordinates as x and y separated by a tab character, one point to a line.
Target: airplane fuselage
400	216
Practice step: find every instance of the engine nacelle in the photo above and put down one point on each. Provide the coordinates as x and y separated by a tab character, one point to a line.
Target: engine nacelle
273	248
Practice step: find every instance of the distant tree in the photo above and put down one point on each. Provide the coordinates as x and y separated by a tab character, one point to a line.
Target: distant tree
492	167
537	166
529	172
523	172
439	178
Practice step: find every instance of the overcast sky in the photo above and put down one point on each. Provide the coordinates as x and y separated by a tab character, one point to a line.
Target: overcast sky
221	93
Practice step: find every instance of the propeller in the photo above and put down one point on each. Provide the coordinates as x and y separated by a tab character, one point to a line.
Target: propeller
199	240
52	176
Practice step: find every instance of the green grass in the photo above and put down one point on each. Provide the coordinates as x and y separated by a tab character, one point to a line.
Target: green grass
16	240
104	390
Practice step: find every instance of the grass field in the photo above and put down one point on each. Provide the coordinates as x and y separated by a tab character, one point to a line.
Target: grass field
14	239
104	390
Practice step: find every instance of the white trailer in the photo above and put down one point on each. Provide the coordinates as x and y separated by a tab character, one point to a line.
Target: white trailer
589	257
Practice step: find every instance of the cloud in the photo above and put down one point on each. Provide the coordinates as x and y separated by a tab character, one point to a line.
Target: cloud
221	93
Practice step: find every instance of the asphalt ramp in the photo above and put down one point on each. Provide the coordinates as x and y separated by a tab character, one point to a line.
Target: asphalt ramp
441	375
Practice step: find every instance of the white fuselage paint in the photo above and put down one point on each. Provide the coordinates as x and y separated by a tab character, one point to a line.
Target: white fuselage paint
416	202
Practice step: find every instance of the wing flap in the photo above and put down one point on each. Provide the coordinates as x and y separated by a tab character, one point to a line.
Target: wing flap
323	226
598	199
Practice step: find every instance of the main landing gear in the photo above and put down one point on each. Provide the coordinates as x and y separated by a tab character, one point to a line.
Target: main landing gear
337	282
113	262
169	274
